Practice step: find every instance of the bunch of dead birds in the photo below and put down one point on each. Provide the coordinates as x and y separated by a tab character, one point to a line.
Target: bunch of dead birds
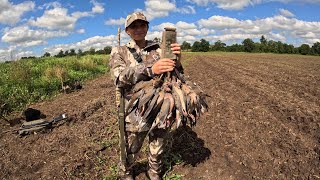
166	99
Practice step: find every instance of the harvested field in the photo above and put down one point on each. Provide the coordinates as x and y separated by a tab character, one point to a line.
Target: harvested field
263	123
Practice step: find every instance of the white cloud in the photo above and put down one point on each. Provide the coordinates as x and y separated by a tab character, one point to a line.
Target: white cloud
118	22
276	36
4	55
236	5
187	38
158	8
241	4
11	14
160	5
191	32
24	36
77	15
186	10
286	13
312	41
184	25
24	54
300	1
227	4
233	28
97	42
229	37
185	31
81	31
97	7
12	53
154	34
206	32
220	22
58	17
49	5
161	26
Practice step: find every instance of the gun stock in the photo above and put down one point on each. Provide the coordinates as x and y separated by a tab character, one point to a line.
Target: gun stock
38	125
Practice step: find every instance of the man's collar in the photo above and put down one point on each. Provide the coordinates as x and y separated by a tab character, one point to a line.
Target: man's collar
132	44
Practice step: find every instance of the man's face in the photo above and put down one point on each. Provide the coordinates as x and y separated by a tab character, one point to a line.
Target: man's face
137	30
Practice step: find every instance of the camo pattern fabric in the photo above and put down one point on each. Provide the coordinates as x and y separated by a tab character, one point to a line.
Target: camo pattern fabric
133	17
157	142
126	72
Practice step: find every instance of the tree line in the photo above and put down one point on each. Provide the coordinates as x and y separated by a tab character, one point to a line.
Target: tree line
248	45
72	52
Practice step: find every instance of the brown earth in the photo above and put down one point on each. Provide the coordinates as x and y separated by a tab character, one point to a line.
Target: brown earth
263	123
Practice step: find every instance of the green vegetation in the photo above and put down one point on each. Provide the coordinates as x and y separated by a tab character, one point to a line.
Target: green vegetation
36	79
248	45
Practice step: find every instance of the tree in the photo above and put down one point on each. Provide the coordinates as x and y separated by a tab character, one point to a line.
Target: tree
107	49
195	46
271	46
316	48
257	47
157	40
218	46
205	45
304	49
100	51
202	46
289	49
185	45
79	52
280	47
263	40
248	45
264	43
92	51
66	53
60	54
46	54
72	52
235	48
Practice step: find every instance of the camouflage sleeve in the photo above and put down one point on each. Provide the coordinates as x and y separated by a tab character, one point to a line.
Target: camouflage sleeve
123	73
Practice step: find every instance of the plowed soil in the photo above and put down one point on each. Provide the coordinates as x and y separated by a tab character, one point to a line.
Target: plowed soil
263	123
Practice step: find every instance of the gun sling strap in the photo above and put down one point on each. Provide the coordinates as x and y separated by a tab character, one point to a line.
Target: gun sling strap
149	48
122	129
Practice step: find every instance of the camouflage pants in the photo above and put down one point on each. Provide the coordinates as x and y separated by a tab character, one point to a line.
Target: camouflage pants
157	141
135	138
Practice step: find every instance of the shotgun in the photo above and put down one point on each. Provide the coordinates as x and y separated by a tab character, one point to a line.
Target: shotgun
38	125
121	120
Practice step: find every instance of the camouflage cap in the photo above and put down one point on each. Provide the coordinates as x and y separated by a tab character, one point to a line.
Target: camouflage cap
133	17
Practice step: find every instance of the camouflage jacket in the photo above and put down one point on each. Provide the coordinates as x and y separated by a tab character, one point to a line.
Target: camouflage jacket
125	70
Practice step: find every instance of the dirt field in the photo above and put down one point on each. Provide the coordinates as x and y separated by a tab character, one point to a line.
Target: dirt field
263	123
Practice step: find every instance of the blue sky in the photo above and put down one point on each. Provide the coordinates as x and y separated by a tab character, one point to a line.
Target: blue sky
31	28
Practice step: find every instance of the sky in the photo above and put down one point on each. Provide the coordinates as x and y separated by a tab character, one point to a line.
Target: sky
31	28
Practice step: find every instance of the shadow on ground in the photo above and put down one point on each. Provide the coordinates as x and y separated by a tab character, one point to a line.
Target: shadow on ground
184	148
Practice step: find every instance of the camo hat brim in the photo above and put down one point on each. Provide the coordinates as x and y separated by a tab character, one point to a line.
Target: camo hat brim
133	17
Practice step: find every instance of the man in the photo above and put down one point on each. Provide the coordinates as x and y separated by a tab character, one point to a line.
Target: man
140	60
